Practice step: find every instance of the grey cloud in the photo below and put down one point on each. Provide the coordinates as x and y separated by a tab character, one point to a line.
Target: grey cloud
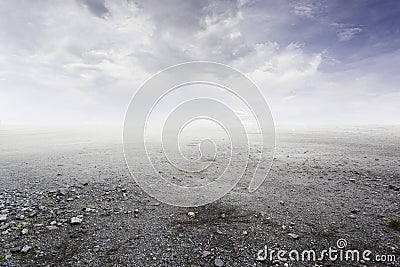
96	7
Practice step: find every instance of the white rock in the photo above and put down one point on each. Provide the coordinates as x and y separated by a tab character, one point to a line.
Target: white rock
25	249
3	217
191	214
294	236
24	231
76	220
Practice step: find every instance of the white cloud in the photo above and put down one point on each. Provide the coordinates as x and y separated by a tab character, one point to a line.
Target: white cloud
78	61
348	33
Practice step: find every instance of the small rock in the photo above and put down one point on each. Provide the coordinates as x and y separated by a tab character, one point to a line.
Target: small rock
25	249
395	188
63	191
4	227
32	214
76	220
191	214
15	249
244	233
3	217
24	231
223	215
205	253
89	210
355	211
218	262
294	236
51	227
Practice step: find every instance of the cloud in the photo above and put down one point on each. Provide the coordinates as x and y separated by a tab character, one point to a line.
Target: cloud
308	9
97	7
348	33
72	61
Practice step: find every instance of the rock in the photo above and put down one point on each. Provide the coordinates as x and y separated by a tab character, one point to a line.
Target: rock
76	220
4	211
3	217
191	214
51	227
294	236
395	188
4	227
25	249
218	262
244	233
32	214
63	191
223	215
136	211
15	249
24	231
355	211
89	210
205	253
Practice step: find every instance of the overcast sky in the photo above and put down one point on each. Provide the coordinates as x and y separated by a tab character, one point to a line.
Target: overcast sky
329	62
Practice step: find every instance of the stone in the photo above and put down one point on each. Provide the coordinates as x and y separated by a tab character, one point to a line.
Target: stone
76	220
3	217
191	214
205	253
24	231
25	249
294	236
218	262
63	191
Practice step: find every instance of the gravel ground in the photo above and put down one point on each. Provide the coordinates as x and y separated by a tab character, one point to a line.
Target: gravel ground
71	202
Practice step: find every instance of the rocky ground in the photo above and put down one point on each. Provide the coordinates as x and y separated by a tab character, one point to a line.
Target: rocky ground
75	204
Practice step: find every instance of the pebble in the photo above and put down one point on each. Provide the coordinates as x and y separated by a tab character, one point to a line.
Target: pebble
63	191
3	217
25	249
76	220
294	236
191	214
51	227
205	253
15	249
24	231
218	262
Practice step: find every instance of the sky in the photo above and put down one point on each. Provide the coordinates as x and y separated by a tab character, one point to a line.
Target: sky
316	62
